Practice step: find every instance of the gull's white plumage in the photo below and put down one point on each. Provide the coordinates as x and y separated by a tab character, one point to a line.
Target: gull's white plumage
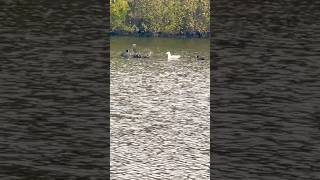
172	57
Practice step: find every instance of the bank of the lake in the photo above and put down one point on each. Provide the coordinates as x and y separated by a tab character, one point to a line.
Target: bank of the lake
160	18
162	34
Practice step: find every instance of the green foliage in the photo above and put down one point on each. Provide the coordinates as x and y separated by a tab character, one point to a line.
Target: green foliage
118	12
167	16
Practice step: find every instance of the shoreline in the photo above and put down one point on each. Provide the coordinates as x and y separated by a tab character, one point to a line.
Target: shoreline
185	35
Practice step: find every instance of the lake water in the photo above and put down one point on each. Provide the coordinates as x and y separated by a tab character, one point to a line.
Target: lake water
265	91
53	96
160	112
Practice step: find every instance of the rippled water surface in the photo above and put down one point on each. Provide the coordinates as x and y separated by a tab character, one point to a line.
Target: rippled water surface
53	90
265	90
160	110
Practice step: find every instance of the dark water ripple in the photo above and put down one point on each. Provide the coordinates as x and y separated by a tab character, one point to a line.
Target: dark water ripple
53	90
265	90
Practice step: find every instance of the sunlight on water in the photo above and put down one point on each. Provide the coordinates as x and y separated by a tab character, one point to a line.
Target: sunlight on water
160	110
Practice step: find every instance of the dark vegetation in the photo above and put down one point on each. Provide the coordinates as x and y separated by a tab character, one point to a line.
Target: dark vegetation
171	18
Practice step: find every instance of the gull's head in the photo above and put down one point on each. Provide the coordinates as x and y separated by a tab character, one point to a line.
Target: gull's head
167	52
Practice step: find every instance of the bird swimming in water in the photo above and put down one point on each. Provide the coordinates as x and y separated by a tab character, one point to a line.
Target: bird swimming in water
134	46
135	54
172	57
147	55
200	58
125	54
139	55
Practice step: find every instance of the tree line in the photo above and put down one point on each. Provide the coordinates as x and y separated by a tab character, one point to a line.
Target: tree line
160	16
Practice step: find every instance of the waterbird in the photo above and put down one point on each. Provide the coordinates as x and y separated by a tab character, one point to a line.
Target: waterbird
134	46
125	54
137	55
200	57
172	57
147	55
